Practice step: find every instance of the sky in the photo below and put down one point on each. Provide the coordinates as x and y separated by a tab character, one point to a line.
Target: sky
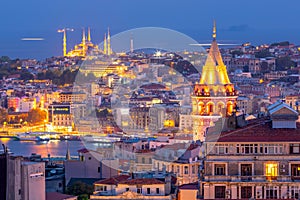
255	21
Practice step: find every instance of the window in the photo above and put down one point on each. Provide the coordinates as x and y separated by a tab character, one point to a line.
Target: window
143	160
178	170
246	170
271	170
295	192
295	148
150	160
186	170
193	169
139	190
148	191
220	192
219	169
127	189
271	192
157	190
246	192
295	169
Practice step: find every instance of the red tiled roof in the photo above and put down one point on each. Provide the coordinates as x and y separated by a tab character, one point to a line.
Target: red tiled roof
142	181
113	180
57	196
258	132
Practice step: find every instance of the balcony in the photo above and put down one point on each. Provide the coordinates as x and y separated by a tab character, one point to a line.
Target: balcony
254	178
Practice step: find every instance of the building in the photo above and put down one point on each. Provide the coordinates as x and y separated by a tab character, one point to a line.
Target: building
185	122
25	180
258	161
60	116
214	96
91	164
3	175
14	102
123	187
182	159
72	97
244	104
293	101
86	47
27	104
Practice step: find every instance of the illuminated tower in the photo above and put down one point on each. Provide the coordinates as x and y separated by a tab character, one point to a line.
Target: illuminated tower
131	45
89	34
105	45
214	96
108	43
83	43
65	39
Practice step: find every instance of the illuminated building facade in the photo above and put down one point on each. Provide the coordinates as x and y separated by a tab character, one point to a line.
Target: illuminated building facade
71	97
86	47
214	96
60	116
258	161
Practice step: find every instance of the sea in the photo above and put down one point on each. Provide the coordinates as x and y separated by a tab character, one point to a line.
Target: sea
55	148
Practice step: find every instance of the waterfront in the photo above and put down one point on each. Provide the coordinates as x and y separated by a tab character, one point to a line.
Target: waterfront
55	148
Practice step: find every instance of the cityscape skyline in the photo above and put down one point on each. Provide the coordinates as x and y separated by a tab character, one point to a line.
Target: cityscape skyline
242	25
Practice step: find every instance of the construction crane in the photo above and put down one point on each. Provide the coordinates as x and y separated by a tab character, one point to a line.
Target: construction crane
64	30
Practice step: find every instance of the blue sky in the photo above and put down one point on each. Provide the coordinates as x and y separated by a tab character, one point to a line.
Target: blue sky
256	21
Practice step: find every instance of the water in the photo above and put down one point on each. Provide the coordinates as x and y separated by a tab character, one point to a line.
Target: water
53	147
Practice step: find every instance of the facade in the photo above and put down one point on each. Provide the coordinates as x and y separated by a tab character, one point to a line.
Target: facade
3	175
91	164
26	104
72	97
25	180
214	96
258	161
122	187
180	159
60	116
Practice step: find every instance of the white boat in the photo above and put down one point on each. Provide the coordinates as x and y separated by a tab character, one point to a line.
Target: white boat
100	139
32	137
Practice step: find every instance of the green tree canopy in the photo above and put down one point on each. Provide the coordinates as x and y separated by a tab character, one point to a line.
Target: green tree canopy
80	189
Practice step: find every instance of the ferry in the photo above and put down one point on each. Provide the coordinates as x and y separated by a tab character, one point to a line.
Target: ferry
101	138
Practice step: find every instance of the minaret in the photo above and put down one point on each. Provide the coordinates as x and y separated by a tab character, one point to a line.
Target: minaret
83	37
84	49
108	43
89	34
65	43
131	45
214	96
105	45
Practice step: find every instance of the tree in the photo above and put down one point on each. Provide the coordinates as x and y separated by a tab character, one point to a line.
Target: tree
25	75
284	63
81	190
36	116
263	53
3	115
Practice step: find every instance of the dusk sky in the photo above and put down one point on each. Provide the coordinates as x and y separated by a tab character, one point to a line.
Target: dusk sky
255	21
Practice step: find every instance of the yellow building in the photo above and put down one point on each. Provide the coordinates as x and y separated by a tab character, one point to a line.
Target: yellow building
85	47
214	96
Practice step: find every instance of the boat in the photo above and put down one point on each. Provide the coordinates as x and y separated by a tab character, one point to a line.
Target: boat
36	137
100	139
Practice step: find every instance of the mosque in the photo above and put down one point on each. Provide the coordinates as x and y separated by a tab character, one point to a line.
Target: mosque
86	47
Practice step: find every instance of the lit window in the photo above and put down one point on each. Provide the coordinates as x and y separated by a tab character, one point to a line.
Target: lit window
271	169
